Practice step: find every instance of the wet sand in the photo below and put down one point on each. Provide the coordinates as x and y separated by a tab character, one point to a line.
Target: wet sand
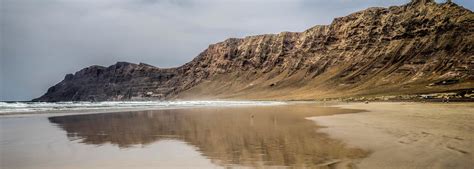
407	135
240	137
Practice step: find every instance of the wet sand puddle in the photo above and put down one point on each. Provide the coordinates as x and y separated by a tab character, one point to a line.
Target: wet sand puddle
261	137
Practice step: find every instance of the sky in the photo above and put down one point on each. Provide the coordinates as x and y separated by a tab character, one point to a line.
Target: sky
43	40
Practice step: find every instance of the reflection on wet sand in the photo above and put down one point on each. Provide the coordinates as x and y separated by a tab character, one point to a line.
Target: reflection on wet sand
252	136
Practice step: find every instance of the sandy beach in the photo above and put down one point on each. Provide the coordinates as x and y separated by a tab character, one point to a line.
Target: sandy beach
407	135
354	135
207	137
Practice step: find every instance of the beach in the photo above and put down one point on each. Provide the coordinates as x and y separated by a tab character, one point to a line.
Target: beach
407	135
202	137
291	135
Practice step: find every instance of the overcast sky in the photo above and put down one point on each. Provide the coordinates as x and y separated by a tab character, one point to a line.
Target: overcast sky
42	40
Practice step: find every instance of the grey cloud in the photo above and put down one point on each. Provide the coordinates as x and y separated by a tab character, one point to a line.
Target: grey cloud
42	40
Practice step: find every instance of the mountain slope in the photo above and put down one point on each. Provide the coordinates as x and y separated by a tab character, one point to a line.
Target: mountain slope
377	51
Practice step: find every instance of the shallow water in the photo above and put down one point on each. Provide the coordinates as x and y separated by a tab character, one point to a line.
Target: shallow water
8	108
217	137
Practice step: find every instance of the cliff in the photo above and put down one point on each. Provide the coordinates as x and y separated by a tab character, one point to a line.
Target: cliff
420	47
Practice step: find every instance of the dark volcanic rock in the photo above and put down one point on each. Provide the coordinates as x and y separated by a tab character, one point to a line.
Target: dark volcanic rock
376	51
122	81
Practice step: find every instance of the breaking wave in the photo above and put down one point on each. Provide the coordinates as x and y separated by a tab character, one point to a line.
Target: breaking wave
42	107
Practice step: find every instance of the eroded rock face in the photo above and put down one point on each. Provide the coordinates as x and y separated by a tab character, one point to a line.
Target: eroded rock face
122	81
374	51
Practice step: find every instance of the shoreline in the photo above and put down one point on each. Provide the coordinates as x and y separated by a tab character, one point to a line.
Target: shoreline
395	134
115	109
289	140
406	134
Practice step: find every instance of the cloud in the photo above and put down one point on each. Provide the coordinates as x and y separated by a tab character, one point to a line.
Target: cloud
42	40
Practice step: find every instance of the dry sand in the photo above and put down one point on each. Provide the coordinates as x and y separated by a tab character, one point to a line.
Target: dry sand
407	135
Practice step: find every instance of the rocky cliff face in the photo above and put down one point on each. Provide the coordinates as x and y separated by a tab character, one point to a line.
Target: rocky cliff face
396	50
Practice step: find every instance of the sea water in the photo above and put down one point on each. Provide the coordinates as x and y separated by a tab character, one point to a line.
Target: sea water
42	107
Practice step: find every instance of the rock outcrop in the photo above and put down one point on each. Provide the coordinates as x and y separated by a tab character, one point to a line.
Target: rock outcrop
377	51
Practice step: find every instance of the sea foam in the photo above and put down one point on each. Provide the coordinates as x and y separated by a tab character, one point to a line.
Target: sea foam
44	107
